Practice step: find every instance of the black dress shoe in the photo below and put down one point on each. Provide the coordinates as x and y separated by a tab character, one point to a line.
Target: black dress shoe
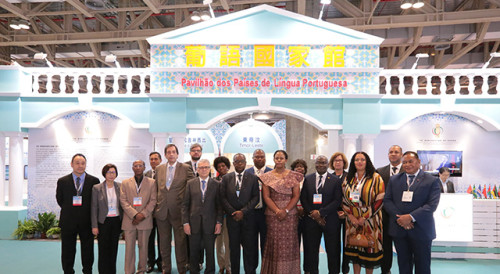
150	268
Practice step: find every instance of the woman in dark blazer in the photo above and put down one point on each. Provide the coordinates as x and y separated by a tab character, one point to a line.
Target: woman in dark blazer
106	214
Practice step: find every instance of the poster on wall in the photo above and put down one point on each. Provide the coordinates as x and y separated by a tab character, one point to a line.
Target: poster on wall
103	138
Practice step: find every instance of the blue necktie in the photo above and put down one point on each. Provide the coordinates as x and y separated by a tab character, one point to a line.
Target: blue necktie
411	177
170	176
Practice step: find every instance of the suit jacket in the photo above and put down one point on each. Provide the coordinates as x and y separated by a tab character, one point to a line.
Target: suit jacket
331	197
149	174
99	209
385	172
148	193
252	171
72	216
249	193
449	187
197	212
425	200
169	201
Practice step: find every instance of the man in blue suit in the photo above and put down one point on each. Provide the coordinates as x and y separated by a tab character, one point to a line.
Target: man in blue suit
321	196
259	168
410	200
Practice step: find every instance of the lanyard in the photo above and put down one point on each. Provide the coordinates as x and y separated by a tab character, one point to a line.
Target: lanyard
360	183
408	181
79	189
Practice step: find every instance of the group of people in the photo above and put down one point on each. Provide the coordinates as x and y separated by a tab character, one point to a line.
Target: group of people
359	212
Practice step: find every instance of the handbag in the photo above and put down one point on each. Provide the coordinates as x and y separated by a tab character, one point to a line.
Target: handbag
361	239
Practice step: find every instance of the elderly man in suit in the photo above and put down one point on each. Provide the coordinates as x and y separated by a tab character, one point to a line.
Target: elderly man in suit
154	161
240	195
202	216
171	180
410	200
259	168
394	167
73	195
138	200
320	197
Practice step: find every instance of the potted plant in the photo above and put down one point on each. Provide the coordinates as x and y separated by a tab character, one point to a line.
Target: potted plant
25	229
54	232
45	221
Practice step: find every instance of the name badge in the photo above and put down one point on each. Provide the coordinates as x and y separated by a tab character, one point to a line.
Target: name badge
238	193
137	201
317	199
407	196
355	196
112	211
77	200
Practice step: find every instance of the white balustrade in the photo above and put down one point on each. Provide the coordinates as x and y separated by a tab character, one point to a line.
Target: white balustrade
433	82
95	81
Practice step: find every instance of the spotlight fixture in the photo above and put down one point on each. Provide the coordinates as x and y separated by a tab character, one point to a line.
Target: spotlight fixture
418	4
209	2
43	56
195	16
19	24
492	55
14	25
204	15
419	55
324	3
111	58
406	4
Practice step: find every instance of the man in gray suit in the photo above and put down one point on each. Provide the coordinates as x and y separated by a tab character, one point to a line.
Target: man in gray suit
202	216
395	167
171	180
138	200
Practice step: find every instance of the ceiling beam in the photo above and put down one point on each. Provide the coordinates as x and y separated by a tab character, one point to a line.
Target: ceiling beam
14	9
80	7
83	37
420	20
480	33
152	5
415	43
347	8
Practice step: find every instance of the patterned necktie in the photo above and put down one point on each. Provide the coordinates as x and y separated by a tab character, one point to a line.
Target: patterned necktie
78	190
170	176
238	182
320	184
203	189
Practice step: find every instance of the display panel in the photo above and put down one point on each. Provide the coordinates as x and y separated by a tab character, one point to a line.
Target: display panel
433	160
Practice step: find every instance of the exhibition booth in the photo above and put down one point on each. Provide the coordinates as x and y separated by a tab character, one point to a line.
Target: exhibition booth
259	60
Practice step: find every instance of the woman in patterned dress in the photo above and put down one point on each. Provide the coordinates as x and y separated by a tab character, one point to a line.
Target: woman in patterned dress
363	191
281	193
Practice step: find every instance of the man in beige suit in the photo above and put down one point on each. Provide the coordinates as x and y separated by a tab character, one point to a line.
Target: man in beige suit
138	200
171	179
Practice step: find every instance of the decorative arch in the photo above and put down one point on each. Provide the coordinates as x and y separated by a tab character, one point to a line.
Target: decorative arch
291	112
53	116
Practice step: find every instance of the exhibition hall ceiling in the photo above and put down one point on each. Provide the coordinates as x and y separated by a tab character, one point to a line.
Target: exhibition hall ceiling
81	33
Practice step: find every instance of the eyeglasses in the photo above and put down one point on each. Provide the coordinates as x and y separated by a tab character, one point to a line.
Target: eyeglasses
203	167
239	161
338	161
196	150
111	172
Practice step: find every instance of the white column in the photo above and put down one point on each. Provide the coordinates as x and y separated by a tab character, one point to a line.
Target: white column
16	169
350	144
160	141
178	140
333	143
2	169
367	144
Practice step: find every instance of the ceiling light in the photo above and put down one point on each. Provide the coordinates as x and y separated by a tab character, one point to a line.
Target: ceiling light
14	24
110	58
492	55
406	4
195	16
325	2
40	56
419	55
204	15
418	4
24	24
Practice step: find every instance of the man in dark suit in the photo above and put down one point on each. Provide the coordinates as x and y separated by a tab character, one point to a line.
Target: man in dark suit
195	151
259	168
154	161
410	200
395	154
171	179
320	197
74	194
445	185
202	217
240	195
